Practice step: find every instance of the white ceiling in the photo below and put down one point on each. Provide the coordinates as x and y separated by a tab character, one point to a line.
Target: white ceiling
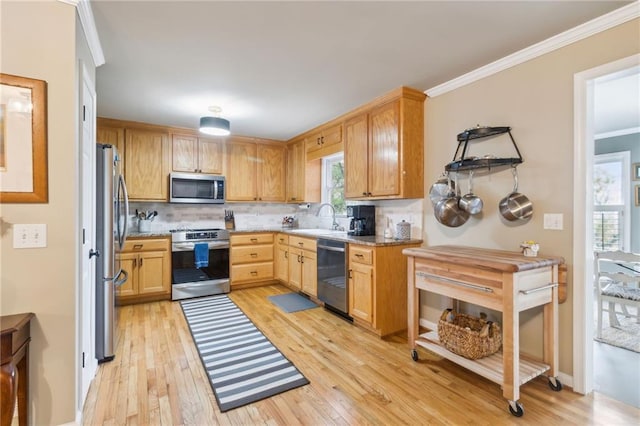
280	68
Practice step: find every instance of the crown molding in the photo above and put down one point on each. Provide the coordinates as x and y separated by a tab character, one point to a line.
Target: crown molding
597	25
89	26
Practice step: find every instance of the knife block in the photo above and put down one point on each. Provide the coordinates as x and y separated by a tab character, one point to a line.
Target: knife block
229	223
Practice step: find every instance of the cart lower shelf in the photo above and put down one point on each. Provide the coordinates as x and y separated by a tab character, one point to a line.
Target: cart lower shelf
490	367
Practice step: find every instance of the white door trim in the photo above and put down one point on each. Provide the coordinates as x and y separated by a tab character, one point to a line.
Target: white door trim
85	315
583	150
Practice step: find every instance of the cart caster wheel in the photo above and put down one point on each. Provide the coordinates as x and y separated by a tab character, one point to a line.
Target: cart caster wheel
516	408
555	384
414	355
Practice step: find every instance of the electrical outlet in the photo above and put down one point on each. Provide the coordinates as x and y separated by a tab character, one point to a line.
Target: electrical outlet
29	235
553	221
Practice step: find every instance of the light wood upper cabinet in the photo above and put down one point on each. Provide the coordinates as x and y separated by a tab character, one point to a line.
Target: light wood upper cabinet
255	171
303	177
356	157
384	149
241	170
111	136
324	142
199	155
147	164
271	172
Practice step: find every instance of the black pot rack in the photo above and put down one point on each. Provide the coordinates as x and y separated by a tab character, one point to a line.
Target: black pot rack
462	163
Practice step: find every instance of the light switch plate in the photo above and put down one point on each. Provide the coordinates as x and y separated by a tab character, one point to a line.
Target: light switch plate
553	221
27	235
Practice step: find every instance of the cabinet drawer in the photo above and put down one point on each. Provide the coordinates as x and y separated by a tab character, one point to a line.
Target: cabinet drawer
361	255
247	239
251	254
146	245
252	272
282	239
303	243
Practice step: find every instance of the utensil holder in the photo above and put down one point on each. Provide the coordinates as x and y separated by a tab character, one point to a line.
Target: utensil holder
144	225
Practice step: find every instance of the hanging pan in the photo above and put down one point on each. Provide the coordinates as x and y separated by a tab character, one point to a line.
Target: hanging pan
470	202
448	211
515	206
440	188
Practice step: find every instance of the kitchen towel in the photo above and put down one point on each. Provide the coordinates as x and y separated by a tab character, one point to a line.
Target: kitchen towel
201	254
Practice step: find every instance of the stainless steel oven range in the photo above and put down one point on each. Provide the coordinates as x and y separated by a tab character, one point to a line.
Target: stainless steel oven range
189	281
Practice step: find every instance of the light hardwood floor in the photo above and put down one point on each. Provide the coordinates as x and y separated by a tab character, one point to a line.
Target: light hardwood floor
356	378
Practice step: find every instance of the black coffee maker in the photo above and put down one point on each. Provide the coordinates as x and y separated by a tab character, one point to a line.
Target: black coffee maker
363	220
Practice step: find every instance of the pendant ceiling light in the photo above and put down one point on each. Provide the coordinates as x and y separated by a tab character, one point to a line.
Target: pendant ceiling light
215	126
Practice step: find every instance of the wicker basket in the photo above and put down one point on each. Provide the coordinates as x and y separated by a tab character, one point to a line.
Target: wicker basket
469	336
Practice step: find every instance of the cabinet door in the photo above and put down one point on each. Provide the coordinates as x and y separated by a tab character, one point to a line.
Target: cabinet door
210	157
384	150
112	136
282	263
146	164
295	268
295	172
355	157
310	272
271	173
361	292
151	272
185	153
241	171
129	263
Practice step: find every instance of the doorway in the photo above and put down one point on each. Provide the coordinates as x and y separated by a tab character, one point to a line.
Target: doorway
585	134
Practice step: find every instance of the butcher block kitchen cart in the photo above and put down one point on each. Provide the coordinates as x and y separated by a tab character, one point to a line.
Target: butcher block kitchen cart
504	281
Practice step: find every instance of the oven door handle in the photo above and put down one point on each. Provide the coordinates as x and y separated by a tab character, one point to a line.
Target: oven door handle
187	286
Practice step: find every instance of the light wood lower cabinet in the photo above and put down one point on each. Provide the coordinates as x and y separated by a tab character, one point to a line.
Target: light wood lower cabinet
378	287
251	259
303	264
148	263
281	254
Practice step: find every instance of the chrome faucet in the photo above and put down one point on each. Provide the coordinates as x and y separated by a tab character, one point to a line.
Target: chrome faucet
335	224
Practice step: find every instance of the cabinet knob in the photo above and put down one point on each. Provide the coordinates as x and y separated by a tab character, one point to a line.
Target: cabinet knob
302	259
286	254
135	262
141	262
254	254
254	273
364	193
322	140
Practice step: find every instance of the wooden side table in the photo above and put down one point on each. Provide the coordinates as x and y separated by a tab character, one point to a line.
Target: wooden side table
14	367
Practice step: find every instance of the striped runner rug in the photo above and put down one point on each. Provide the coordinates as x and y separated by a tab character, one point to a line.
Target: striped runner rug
242	364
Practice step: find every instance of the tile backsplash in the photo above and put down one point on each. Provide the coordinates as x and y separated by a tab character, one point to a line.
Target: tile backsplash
269	216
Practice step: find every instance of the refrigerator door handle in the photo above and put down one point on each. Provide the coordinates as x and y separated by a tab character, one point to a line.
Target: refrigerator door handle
123	233
119	282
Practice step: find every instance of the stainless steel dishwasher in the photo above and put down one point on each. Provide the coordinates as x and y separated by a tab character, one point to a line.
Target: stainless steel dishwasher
332	276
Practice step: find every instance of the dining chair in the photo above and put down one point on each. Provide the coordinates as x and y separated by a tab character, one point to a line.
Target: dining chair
617	282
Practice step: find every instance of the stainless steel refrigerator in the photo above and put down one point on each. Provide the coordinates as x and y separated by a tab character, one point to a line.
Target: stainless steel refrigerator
112	211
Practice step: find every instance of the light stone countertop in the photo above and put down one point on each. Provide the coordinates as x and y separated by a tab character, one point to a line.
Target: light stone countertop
373	240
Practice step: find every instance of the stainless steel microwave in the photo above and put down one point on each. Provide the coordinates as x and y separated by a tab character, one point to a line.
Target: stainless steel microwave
196	188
